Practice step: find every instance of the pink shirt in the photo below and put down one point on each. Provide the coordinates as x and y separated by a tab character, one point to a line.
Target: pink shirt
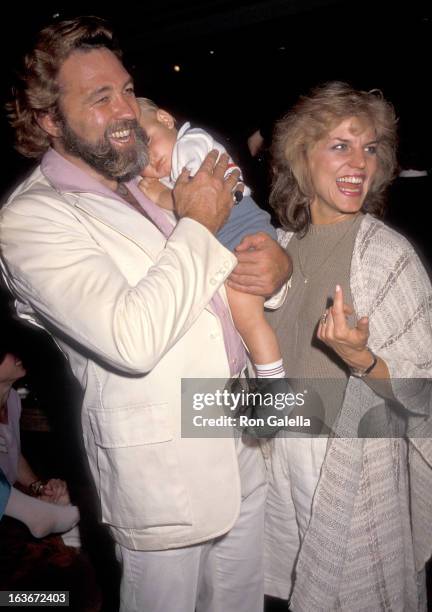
66	177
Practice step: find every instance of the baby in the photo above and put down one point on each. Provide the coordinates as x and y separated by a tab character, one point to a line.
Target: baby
170	150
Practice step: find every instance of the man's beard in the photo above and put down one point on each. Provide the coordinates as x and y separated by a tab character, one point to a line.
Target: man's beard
113	164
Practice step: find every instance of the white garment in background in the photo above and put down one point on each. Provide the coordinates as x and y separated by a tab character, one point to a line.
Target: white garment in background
294	471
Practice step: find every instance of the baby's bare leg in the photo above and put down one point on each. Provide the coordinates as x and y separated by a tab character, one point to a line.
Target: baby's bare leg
260	339
248	315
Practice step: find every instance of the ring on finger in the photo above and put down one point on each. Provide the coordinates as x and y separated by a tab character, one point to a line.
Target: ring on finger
324	319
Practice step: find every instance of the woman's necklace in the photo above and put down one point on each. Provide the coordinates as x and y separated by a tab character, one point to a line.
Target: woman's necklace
312	273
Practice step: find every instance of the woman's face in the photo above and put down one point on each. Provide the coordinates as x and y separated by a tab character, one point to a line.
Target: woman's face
342	166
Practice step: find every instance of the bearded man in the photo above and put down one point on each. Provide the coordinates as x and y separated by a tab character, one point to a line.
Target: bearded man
136	304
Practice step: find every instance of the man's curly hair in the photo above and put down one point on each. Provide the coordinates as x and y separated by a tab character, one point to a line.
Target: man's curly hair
36	90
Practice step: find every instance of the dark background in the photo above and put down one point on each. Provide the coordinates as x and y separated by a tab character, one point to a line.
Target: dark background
243	62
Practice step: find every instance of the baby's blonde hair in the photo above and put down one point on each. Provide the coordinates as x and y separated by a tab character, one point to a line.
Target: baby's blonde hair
147	106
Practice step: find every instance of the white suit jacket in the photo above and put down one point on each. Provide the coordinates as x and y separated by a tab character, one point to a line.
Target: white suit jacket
129	309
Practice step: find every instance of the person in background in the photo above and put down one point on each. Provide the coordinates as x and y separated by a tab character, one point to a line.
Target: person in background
46	507
4	492
411	192
348	515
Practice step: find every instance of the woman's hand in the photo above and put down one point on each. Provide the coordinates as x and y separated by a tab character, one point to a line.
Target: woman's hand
350	343
56	492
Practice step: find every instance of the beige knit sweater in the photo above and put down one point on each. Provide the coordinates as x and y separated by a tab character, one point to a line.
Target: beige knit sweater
371	527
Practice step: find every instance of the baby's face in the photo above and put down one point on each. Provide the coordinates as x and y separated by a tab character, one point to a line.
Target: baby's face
162	137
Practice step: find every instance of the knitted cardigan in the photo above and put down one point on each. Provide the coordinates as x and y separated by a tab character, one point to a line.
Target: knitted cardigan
370	532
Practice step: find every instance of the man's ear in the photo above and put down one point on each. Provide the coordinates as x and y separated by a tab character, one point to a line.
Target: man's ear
165	118
49	124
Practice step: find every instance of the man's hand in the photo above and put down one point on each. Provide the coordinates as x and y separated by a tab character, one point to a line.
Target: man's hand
208	196
263	266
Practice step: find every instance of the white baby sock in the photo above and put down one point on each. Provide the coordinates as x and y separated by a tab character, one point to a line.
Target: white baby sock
270	370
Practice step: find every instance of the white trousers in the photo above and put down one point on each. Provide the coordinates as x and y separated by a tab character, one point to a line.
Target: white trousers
221	575
294	467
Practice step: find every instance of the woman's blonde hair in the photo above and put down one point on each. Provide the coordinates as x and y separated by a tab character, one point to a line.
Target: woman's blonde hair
308	122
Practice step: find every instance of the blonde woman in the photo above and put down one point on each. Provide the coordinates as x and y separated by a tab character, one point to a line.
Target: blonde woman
348	517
